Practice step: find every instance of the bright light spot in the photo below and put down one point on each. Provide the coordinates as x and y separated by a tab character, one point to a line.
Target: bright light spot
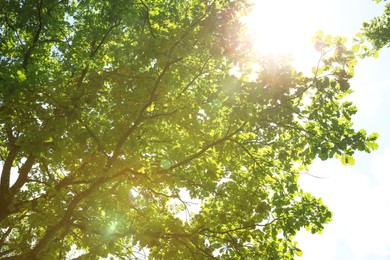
216	103
287	27
282	26
165	164
112	227
254	72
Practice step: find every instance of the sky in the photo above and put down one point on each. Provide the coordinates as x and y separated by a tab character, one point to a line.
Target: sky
359	195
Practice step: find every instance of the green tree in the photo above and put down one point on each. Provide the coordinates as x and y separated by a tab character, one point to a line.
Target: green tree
111	111
376	32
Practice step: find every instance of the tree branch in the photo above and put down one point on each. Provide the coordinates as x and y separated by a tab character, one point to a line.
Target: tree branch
205	148
27	55
195	77
23	175
51	231
6	173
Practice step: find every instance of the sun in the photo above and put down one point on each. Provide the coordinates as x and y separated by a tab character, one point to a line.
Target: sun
285	26
281	25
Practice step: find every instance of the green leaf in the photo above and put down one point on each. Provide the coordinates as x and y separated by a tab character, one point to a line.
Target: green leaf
347	160
372	145
21	76
355	48
373	137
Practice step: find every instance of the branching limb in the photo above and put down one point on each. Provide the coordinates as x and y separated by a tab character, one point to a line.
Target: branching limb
207	147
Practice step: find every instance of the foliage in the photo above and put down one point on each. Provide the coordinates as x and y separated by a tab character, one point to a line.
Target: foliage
112	111
376	32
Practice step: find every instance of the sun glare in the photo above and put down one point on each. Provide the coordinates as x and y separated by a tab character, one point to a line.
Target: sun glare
285	27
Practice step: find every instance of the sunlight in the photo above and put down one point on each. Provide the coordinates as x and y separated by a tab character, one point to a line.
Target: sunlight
286	27
281	26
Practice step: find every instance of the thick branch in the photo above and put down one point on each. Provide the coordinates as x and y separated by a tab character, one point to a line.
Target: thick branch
6	172
27	55
4	236
51	231
23	175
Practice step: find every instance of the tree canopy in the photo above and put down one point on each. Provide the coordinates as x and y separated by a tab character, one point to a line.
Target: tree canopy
377	31
116	116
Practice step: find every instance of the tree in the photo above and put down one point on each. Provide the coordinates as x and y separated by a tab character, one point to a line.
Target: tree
117	115
376	32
